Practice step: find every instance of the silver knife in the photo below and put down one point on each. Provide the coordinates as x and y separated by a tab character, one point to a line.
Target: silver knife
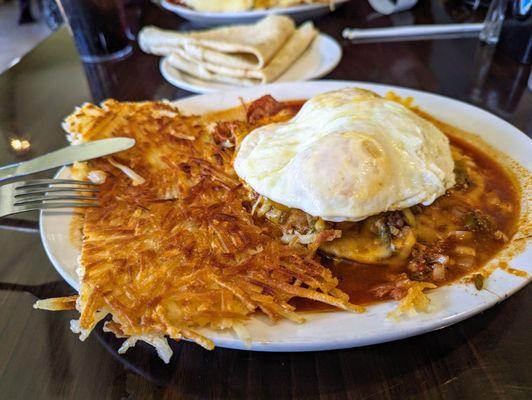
66	156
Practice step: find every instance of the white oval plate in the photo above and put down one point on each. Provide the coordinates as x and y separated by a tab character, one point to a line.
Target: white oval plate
336	330
299	13
321	57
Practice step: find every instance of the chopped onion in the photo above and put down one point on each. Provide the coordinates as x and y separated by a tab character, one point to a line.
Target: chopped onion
303	239
465	262
441	259
438	272
97	176
461	235
465	251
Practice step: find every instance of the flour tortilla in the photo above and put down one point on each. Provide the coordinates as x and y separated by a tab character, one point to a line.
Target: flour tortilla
241	46
285	57
197	71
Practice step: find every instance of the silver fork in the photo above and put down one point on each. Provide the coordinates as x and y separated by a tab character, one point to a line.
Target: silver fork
44	194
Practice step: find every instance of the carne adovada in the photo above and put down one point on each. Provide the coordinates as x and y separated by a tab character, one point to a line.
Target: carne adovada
180	242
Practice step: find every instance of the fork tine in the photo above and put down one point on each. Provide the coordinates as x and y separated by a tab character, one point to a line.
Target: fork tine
54	198
18	197
46	182
42	190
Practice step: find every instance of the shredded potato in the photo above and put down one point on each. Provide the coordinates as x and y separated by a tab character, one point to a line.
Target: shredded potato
414	301
135	178
174	245
57	304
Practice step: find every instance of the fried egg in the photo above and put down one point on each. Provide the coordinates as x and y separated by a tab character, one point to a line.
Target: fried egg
347	155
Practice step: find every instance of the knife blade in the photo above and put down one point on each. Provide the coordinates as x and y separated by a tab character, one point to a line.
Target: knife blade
66	156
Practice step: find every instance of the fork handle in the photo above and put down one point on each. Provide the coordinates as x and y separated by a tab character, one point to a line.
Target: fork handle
8	172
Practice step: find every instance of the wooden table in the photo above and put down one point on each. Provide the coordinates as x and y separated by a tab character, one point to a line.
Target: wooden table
485	357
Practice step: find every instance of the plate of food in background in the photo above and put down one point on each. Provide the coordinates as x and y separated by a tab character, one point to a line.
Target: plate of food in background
207	12
273	49
294	217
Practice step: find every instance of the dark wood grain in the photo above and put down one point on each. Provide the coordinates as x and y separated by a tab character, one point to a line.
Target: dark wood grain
484	357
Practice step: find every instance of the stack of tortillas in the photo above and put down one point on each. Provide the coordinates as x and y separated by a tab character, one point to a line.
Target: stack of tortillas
241	55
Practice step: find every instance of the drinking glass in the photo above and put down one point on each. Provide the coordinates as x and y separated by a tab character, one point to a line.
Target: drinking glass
493	22
99	28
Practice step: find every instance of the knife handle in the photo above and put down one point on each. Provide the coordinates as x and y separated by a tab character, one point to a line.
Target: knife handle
18	170
66	156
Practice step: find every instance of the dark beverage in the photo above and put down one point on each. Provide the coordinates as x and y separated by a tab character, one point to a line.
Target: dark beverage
99	28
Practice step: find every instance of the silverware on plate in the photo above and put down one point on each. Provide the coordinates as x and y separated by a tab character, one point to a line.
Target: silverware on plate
412	31
65	156
46	194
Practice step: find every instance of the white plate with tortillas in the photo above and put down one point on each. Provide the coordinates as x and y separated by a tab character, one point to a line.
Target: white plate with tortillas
299	12
273	49
321	57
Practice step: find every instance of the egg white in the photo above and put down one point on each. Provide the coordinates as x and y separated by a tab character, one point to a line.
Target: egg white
347	155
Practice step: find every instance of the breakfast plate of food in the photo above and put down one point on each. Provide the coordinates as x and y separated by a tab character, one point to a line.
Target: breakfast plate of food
293	217
219	12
